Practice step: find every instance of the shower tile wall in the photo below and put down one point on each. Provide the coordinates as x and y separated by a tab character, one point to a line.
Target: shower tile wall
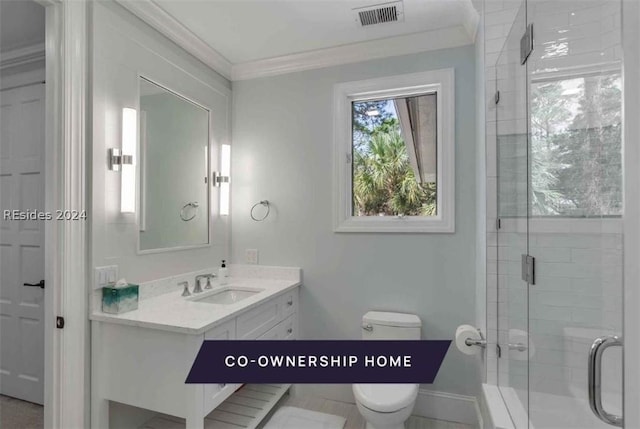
576	298
577	295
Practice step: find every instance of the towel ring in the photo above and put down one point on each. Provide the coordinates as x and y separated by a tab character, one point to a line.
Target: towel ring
261	203
193	204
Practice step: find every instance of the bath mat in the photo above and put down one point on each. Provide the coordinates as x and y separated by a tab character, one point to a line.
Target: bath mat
297	418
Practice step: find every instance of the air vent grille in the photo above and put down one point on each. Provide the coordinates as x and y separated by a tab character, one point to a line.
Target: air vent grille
379	14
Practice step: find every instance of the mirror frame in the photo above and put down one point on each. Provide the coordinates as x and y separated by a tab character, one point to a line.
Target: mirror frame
209	211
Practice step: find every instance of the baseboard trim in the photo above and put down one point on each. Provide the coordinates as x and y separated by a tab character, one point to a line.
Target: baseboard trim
430	404
448	406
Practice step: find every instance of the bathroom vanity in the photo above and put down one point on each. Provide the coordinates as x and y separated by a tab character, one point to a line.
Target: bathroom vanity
142	358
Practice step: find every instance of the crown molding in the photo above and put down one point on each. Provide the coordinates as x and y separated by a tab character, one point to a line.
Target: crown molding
22	56
158	18
450	37
471	19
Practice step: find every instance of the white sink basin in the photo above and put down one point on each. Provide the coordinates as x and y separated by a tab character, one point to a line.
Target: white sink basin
227	295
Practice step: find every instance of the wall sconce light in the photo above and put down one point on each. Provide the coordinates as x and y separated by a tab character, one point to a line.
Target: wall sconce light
117	159
222	179
127	159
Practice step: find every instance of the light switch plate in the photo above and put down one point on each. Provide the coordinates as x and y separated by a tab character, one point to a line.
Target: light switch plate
104	276
251	256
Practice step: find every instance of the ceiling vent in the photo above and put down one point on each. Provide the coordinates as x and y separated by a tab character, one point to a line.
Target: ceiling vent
379	14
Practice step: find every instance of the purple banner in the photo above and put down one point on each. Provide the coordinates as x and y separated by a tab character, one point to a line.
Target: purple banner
306	361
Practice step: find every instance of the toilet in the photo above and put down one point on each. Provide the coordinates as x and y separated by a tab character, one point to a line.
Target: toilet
387	406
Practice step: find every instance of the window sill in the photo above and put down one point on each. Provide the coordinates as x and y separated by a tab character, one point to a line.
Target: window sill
396	225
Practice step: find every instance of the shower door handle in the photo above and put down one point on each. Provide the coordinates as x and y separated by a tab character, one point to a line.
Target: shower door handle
595	378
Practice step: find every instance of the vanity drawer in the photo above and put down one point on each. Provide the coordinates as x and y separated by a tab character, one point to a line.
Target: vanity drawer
285	330
290	328
256	322
274	333
289	303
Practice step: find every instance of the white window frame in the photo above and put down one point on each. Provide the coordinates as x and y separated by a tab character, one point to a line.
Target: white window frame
440	82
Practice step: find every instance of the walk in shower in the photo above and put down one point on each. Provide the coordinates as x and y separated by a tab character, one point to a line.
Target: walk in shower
558	241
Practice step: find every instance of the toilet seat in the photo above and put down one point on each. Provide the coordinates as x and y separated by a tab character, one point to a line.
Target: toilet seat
385	398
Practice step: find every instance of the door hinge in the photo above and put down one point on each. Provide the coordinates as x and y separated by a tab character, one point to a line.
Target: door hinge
498	350
498	223
496	97
526	44
349	158
59	322
529	269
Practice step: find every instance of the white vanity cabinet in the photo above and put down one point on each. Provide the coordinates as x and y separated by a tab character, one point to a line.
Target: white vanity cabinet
214	394
146	366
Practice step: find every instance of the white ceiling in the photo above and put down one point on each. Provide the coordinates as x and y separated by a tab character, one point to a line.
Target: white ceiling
248	30
21	24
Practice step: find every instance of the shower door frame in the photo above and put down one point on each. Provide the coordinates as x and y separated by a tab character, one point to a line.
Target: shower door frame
515	221
631	291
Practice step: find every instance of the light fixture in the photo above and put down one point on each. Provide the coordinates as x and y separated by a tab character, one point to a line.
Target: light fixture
128	154
373	112
223	179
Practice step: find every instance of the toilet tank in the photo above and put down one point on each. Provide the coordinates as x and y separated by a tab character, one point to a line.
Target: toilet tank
379	325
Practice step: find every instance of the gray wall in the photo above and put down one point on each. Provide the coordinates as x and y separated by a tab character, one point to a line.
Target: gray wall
282	151
123	47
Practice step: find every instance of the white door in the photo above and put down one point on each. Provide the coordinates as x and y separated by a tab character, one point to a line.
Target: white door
22	243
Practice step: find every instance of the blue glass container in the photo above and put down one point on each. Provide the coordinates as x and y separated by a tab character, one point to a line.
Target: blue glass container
116	300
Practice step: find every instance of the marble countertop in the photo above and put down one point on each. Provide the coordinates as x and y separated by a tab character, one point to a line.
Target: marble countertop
174	313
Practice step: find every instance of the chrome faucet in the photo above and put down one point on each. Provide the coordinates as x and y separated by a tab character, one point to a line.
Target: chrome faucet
209	277
197	288
185	291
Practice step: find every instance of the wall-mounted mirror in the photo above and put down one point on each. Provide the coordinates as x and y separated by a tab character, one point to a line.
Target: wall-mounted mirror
173	170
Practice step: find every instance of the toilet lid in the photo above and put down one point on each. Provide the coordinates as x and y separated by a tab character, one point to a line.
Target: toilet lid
385	398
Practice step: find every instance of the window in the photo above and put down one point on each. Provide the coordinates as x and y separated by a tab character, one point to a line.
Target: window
394	154
576	145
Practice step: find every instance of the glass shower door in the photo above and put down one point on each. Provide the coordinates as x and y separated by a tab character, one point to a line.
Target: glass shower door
575	207
512	231
559	200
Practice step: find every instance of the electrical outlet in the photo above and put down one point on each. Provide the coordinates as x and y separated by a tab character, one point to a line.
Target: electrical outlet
112	274
104	276
251	256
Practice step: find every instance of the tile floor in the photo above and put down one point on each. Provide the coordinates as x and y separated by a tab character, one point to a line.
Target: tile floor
346	410
17	414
